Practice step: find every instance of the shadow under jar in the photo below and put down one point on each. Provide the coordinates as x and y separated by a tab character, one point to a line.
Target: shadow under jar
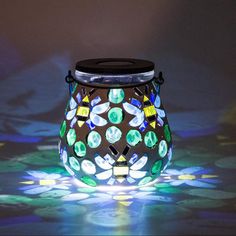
115	134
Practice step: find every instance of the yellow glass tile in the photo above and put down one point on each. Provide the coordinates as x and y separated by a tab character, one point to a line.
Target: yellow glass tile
86	99
120	170
120	179
47	182
121	159
80	123
83	111
145	98
149	111
153	124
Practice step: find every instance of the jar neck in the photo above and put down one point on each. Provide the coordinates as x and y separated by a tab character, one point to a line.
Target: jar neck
108	80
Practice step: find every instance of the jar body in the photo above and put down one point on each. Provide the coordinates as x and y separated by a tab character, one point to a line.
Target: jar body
115	137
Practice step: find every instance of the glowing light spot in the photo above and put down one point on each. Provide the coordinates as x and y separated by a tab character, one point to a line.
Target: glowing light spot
136	174
63	129
140	163
150	139
74	163
137	120
186	177
73	103
167	133
156	168
71	137
88	167
113	134
162	148
104	175
94	139
122	197
80	149
70	114
99	109
102	163
120	170
115	115
133	137
97	120
89	181
145	180
116	95
47	182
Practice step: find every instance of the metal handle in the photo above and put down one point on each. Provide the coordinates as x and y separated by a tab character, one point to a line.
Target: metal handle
159	80
70	80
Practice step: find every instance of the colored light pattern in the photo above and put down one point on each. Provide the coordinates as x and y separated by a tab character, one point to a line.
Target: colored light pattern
103	116
38	182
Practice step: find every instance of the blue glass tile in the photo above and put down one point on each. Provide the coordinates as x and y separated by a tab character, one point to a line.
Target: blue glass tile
143	126
95	101
134	158
136	102
90	124
152	97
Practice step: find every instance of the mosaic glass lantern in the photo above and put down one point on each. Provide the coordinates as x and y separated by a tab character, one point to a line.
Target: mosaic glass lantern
115	133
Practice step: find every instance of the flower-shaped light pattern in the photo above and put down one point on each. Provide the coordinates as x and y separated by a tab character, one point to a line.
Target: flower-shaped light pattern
39	182
192	176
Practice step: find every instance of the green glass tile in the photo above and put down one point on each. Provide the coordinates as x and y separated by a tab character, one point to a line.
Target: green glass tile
133	137
80	149
94	139
116	95
167	133
150	139
63	129
87	180
162	149
74	163
115	115
156	168
71	137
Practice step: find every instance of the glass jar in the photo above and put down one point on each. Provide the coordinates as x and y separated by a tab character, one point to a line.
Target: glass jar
115	133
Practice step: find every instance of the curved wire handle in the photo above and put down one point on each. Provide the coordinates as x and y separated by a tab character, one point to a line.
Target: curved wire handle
158	81
70	80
